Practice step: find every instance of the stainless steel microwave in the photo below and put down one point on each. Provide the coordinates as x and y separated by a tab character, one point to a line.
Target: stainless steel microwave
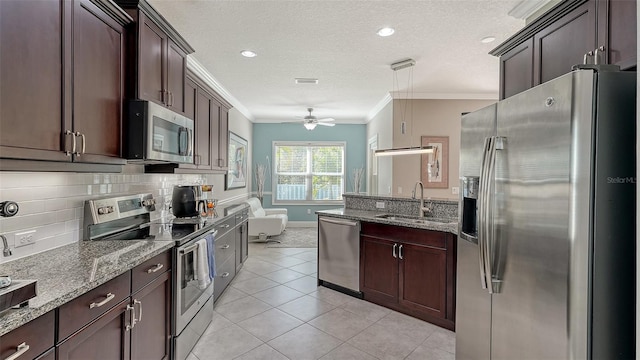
155	134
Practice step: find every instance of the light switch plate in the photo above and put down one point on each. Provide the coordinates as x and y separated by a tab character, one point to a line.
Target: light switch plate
455	190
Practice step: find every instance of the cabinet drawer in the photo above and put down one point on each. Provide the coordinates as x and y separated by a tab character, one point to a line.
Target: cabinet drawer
225	248
225	226
149	270
83	309
37	334
405	234
224	274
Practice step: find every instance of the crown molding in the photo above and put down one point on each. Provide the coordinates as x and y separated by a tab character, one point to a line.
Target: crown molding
379	106
201	72
526	8
395	95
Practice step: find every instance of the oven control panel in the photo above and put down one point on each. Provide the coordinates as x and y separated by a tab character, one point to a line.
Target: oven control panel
99	211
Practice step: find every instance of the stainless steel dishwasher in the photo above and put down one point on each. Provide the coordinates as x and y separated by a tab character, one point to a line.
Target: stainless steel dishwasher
339	255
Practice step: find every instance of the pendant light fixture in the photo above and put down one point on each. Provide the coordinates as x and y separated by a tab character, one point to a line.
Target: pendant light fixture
408	63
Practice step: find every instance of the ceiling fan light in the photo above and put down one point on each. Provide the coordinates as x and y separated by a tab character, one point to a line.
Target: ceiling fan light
310	126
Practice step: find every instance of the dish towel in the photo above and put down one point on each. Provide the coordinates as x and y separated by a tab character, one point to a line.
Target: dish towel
211	254
202	264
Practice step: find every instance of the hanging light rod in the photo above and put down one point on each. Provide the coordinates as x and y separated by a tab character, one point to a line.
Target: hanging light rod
405	151
402	64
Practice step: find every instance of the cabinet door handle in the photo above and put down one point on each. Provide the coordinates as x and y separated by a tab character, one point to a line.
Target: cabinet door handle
400	252
170	98
393	252
84	143
587	56
132	324
20	349
155	268
224	226
599	56
73	143
136	301
109	297
225	246
224	275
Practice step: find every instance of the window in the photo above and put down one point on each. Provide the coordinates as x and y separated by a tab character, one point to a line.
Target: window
308	172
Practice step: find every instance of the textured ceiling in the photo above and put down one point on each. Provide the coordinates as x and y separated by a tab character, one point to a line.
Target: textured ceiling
335	41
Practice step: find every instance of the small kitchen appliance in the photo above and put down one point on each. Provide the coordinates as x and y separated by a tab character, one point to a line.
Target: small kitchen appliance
187	201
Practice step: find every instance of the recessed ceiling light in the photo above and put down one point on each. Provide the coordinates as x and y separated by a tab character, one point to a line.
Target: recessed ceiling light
248	53
385	31
488	39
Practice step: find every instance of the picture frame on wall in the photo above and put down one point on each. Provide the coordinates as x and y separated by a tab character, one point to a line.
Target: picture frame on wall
236	176
434	167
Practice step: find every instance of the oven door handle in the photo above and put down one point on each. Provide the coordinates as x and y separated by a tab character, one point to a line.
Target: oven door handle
194	246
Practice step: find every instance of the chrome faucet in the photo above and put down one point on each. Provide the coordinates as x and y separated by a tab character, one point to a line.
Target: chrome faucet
423	211
5	247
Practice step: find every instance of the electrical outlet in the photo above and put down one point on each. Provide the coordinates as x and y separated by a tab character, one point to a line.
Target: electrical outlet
25	238
455	190
308	211
379	204
399	189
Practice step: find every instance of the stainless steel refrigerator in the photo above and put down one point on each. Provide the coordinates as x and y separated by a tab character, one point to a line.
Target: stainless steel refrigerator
546	244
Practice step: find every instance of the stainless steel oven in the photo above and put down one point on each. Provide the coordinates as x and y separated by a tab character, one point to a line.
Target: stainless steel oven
193	305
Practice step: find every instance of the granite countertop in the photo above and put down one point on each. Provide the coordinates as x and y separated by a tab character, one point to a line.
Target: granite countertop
69	271
449	225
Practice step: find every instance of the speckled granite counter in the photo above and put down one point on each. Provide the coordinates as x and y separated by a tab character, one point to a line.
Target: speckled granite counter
66	272
439	224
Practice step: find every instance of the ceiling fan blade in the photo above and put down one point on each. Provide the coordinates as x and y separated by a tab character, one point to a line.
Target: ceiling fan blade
327	119
325	124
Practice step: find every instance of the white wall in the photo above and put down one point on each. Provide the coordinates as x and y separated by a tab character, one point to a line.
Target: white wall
430	118
382	126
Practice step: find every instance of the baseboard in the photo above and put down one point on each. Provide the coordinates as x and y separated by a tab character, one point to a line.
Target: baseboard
302	224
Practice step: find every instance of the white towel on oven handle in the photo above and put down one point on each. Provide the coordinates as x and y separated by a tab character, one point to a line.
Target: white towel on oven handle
202	264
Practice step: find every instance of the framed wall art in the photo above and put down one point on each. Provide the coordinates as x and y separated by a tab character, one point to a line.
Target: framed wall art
434	167
237	174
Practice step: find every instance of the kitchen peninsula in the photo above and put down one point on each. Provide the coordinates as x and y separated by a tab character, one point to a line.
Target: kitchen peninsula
404	262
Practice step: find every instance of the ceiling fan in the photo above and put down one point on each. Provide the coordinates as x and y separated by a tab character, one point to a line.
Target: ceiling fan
311	121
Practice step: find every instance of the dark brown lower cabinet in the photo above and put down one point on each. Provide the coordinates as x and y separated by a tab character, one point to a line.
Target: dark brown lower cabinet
49	355
151	335
31	339
409	270
106	338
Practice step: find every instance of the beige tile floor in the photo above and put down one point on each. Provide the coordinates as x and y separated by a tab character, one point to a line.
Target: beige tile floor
274	310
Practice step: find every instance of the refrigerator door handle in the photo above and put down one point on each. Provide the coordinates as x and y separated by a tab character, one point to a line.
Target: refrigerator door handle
497	143
482	200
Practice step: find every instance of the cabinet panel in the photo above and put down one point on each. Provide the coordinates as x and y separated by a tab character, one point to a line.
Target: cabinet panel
215	134
225	272
30	79
516	70
203	137
564	43
151	48
190	99
151	335
98	83
617	31
144	273
106	338
423	279
49	355
378	269
223	138
176	75
38	334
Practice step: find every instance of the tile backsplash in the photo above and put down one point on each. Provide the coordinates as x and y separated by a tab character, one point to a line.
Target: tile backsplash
53	203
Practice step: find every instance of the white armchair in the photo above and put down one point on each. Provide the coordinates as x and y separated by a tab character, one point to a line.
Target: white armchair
265	221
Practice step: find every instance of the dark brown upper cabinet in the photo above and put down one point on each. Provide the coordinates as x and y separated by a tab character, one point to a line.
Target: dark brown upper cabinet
157	63
598	31
62	85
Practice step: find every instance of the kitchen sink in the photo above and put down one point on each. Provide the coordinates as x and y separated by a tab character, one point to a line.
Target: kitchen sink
414	220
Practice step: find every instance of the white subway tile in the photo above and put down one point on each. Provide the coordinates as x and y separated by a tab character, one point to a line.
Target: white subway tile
64	215
55	204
